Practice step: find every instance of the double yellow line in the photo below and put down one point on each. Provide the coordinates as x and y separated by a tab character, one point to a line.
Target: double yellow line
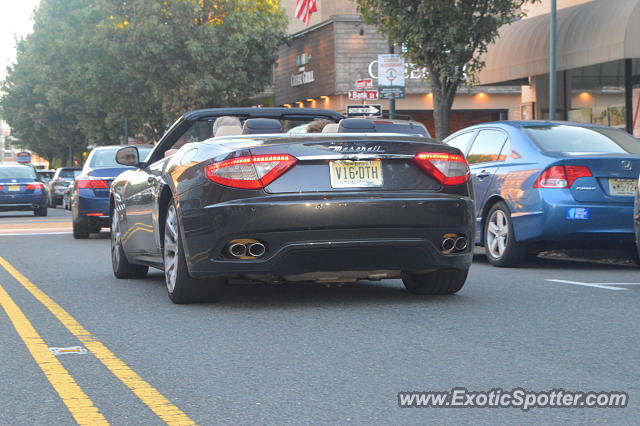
78	403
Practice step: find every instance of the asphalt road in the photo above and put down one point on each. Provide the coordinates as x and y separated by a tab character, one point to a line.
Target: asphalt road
302	354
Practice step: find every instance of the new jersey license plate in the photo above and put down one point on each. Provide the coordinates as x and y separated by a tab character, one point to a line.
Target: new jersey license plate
356	174
14	188
623	187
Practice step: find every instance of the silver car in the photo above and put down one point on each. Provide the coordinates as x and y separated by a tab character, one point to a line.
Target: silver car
58	185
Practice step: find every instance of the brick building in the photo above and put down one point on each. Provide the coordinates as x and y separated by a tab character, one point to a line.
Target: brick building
319	64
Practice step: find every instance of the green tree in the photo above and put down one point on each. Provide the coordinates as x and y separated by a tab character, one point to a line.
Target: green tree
39	126
448	37
198	53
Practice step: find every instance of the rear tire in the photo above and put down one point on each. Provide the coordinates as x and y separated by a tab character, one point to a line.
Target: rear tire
444	281
80	228
500	244
52	203
181	287
42	211
121	266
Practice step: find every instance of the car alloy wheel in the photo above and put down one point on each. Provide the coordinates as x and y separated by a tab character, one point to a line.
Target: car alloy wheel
497	234
171	248
500	243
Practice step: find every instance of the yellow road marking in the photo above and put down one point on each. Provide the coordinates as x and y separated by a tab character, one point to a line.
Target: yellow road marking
160	405
78	403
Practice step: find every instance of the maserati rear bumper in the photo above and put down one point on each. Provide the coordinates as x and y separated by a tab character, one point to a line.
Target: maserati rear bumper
364	235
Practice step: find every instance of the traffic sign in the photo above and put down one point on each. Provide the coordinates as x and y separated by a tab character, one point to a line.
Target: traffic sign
364	110
363	95
24	157
366	83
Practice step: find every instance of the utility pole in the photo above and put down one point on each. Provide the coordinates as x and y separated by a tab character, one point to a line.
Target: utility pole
553	66
125	141
392	101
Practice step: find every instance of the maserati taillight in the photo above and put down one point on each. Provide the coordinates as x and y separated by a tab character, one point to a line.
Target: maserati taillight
447	169
250	172
561	176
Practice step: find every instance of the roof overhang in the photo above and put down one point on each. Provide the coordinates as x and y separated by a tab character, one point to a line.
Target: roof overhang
591	33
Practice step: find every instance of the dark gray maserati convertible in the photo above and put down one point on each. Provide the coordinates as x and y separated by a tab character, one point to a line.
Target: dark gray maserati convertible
229	194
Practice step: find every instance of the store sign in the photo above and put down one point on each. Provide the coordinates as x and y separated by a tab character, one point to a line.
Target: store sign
363	95
302	78
24	157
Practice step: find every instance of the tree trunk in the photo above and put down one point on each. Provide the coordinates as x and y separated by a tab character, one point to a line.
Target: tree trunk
444	93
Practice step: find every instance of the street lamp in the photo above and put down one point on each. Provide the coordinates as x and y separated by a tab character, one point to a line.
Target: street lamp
553	66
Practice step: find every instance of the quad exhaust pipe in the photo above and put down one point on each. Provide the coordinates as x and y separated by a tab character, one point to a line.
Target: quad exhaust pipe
246	249
454	243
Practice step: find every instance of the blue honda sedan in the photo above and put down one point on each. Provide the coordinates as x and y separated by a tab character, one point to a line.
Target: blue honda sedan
20	189
544	185
90	192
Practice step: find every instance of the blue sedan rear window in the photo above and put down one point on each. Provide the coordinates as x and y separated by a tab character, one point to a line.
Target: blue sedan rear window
17	172
582	140
106	158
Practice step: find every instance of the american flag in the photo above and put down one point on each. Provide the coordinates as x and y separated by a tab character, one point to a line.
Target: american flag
304	10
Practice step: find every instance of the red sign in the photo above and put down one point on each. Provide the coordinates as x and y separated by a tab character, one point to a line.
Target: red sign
363	95
366	83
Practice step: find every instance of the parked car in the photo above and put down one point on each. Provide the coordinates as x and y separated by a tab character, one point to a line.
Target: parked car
89	196
45	175
405	126
20	190
60	182
542	185
265	206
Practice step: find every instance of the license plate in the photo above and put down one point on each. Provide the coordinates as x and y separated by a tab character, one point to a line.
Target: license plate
623	187
14	188
356	174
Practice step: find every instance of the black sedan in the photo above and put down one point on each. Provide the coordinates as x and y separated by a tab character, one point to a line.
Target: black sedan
259	205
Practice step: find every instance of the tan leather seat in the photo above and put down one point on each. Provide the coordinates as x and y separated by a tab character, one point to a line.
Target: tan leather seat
330	128
228	131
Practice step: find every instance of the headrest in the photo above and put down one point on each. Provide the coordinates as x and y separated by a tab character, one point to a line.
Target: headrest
330	128
255	126
228	131
356	125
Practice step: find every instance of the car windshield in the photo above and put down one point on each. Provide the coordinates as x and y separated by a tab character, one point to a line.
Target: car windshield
106	157
17	172
404	128
582	140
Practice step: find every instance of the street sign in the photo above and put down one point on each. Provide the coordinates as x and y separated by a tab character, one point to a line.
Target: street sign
24	157
391	76
364	110
392	93
366	83
363	95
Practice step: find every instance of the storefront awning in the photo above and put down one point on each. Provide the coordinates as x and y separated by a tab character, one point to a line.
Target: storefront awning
588	34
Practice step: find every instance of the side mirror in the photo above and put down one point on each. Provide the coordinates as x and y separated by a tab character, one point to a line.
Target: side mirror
128	156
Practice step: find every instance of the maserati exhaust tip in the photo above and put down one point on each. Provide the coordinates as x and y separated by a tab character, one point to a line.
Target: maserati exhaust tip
256	249
448	244
460	243
237	250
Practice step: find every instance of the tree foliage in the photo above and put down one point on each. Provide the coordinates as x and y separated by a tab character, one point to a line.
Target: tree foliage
198	54
448	37
91	64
